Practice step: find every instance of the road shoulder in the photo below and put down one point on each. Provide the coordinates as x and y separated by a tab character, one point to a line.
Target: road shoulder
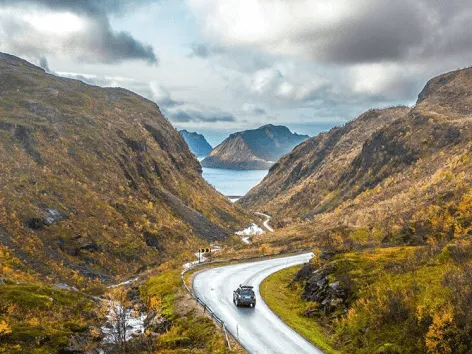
286	303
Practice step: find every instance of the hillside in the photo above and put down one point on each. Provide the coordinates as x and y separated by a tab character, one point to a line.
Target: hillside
394	165
253	149
392	234
95	184
301	179
196	142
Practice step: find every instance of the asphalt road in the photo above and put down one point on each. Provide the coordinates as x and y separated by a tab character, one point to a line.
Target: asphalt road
266	222
258	329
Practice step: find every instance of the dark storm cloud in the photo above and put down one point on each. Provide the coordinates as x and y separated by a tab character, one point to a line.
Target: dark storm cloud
97	42
193	116
398	30
341	31
387	31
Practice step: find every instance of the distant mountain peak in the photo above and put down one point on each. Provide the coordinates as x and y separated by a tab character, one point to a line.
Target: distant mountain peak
196	142
254	149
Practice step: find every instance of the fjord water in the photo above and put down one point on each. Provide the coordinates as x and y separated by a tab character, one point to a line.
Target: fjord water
233	182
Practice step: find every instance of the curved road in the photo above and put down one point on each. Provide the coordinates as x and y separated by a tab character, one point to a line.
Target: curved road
266	222
258	329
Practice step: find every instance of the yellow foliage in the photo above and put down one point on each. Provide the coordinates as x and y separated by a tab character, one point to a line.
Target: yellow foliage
4	328
316	260
437	332
155	303
33	322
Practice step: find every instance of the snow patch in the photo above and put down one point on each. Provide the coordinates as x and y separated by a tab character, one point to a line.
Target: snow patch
127	282
253	229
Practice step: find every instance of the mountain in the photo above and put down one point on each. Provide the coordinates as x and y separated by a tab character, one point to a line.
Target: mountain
390	220
94	182
389	169
253	149
301	179
196	142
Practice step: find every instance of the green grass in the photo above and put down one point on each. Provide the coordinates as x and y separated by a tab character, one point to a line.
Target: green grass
288	305
41	318
188	330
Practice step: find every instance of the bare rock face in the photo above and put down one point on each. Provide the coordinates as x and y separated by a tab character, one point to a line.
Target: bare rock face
253	149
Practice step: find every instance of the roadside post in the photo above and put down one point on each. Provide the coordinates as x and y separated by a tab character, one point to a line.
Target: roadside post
202	251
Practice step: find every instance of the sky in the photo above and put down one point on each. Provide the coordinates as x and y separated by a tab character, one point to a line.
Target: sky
220	66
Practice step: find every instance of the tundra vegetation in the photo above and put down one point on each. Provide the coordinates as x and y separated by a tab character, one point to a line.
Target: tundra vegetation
392	225
97	187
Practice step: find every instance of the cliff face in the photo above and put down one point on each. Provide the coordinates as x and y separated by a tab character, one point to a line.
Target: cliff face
197	143
253	149
388	167
95	180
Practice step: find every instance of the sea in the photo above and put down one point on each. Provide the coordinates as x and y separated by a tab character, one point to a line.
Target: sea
233	183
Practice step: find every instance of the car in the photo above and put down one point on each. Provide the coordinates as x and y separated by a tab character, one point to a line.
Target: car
244	296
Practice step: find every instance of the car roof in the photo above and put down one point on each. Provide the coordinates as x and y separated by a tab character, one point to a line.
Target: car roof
246	287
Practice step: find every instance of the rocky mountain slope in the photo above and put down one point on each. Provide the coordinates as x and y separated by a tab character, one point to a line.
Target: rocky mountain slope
253	149
391	232
94	182
298	182
196	142
410	166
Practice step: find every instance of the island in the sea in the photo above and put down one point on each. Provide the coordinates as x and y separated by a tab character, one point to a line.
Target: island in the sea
256	149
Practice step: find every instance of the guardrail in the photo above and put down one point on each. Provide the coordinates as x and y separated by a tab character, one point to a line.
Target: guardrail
206	309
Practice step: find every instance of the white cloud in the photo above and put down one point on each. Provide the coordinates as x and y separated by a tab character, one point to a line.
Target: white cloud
290	86
386	80
36	31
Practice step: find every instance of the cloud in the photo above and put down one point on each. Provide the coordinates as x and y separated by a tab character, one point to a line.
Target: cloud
162	96
89	7
383	80
202	50
250	108
291	87
79	29
181	116
341	31
150	90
